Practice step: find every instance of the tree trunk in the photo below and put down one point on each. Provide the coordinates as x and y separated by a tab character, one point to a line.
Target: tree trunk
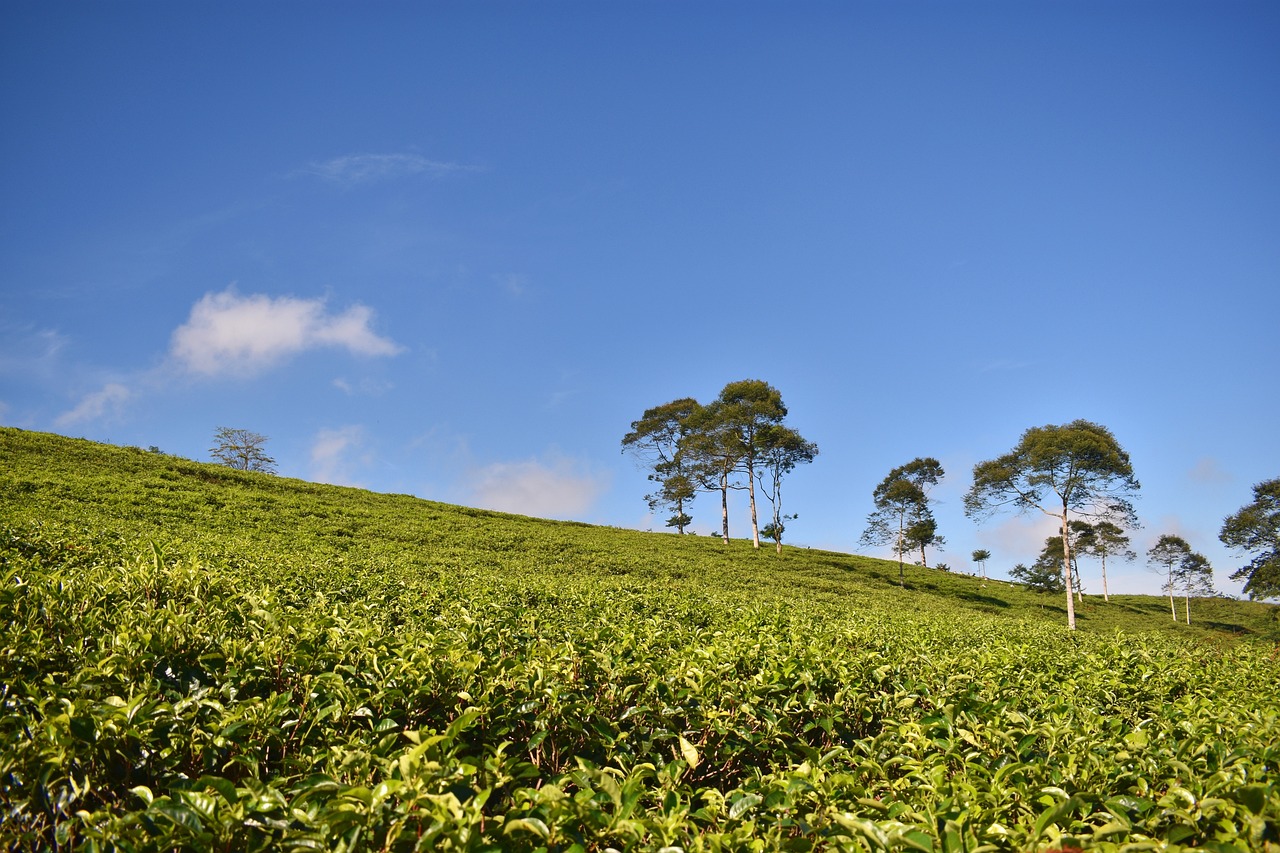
902	575
1172	609
724	505
1066	569
1105	597
1187	599
751	490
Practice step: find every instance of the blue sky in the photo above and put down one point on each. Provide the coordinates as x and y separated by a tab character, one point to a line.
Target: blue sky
454	249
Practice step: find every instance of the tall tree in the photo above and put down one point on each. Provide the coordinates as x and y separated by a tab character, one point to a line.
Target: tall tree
714	455
242	449
658	440
1165	557
782	449
1255	529
1195	576
980	556
746	411
1102	539
1077	468
902	501
923	533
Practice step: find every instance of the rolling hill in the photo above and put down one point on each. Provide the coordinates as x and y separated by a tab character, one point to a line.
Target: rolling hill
203	658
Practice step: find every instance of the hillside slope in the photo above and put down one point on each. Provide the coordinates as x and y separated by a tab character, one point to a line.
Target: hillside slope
140	495
198	658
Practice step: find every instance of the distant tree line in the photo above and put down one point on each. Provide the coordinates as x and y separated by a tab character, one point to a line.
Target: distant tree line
1076	473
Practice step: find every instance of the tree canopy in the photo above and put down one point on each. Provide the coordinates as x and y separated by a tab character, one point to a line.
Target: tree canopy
735	442
1077	468
658	439
902	517
1255	529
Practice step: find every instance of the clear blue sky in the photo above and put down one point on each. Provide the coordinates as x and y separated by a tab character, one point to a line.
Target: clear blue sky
454	249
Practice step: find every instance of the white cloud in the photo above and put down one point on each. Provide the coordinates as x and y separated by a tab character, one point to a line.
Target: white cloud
354	169
107	402
556	488
331	455
230	333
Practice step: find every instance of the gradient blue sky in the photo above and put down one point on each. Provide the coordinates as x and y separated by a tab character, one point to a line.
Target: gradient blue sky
454	249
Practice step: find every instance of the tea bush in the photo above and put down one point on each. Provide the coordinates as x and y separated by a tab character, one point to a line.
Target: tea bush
197	658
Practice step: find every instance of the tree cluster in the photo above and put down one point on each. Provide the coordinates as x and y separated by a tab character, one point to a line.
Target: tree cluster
1181	567
737	441
902	517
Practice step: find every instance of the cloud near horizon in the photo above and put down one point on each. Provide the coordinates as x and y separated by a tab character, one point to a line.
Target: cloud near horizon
230	333
557	488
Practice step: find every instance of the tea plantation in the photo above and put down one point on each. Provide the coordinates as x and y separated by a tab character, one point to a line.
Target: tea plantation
196	658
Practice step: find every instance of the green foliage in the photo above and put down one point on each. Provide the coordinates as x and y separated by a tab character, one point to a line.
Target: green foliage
902	517
658	439
1041	576
1255	529
198	658
1076	468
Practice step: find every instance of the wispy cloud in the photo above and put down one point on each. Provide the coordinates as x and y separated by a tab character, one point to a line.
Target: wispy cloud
352	169
331	453
1209	472
514	284
230	333
558	487
108	402
25	351
364	387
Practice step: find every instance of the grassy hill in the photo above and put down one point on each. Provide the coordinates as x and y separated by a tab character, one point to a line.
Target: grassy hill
202	658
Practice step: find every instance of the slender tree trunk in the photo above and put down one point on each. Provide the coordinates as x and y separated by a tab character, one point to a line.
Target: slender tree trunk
902	575
724	505
777	513
1187	599
1105	597
751	490
1172	609
1066	568
924	561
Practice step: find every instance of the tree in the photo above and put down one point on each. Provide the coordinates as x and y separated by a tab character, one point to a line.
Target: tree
1102	539
746	411
1077	468
241	449
1195	575
782	449
714	454
901	502
1165	557
658	439
922	534
1038	577
1255	529
980	556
